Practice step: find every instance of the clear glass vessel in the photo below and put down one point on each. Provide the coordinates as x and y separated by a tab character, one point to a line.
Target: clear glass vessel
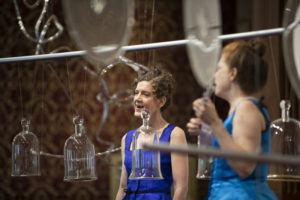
285	133
204	163
79	155
145	163
25	152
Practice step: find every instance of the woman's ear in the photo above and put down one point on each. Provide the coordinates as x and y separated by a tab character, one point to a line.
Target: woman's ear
233	73
162	101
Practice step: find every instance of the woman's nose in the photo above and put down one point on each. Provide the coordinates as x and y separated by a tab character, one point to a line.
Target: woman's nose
137	96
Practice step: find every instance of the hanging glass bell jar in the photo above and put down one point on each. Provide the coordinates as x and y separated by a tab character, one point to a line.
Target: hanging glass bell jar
145	163
79	155
205	163
285	133
25	152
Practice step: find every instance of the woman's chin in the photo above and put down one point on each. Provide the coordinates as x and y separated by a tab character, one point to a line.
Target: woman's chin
137	113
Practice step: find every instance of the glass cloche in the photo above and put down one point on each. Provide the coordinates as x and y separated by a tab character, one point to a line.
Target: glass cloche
25	152
79	155
285	133
145	163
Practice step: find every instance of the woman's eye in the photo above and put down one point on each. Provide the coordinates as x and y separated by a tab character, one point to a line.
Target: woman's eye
143	93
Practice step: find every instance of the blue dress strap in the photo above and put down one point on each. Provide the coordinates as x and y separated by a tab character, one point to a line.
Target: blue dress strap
165	137
129	139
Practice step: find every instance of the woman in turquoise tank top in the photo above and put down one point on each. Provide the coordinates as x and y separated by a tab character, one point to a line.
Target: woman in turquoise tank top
242	73
152	91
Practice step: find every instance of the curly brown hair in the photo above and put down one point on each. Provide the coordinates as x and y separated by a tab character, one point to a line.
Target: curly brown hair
161	81
247	58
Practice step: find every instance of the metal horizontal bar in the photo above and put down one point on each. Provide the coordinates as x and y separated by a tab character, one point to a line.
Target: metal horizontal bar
205	151
140	47
250	34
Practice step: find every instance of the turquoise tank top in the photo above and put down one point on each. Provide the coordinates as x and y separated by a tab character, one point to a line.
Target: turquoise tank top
227	185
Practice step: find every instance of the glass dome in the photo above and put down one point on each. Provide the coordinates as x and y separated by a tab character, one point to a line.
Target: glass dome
205	138
25	152
145	163
285	133
79	155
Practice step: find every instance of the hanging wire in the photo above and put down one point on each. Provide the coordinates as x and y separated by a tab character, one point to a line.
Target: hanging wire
43	104
20	90
34	88
84	97
273	64
151	34
63	87
69	87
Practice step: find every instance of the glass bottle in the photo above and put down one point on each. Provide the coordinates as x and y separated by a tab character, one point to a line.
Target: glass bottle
79	155
285	133
25	152
145	163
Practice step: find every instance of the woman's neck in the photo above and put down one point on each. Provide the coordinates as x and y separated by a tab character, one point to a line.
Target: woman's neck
158	122
237	98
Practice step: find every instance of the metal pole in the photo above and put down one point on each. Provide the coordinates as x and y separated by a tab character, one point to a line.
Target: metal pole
140	47
250	34
205	151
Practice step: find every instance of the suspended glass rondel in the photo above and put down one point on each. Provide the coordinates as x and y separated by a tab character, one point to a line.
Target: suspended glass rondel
25	152
79	155
145	163
204	163
285	134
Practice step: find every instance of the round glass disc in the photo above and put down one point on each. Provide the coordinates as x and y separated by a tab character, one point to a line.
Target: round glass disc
202	24
101	27
291	43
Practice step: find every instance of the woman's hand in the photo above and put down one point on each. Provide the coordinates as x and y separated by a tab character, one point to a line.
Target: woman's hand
205	110
194	126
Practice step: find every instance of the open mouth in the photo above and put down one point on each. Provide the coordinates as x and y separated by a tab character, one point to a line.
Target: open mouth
139	106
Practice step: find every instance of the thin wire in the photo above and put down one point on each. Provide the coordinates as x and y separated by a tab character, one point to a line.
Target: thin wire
144	28
151	33
43	104
70	93
137	54
20	89
273	64
84	97
96	155
34	88
63	87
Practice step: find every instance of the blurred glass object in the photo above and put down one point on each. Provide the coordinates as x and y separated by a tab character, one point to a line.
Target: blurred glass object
25	152
285	133
205	139
145	163
291	43
79	155
101	27
202	24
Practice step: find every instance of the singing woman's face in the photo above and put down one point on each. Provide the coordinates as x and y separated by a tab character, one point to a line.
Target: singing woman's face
144	98
223	78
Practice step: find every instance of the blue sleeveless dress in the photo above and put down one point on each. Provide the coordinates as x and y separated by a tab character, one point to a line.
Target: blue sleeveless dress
150	189
227	185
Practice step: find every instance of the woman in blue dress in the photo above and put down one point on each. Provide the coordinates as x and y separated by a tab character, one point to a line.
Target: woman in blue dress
241	75
152	91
